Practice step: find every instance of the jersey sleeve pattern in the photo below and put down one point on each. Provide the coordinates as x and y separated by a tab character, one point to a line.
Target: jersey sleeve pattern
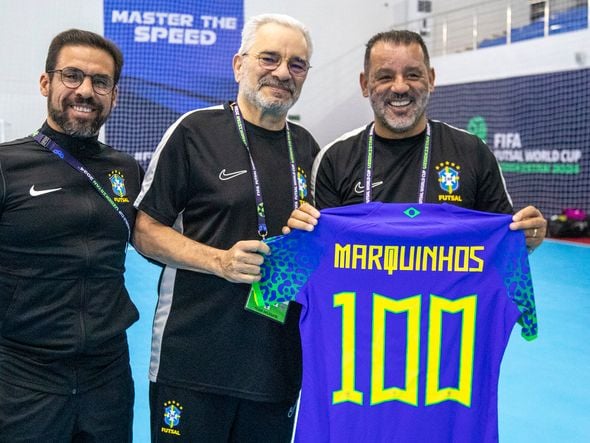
520	289
286	270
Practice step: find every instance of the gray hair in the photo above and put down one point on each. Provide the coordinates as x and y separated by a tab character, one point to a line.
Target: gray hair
252	25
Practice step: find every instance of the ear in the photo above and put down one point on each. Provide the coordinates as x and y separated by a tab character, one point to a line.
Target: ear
44	82
431	77
364	84
114	95
237	67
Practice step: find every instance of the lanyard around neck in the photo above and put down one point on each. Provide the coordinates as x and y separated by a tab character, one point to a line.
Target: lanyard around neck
423	182
49	144
262	229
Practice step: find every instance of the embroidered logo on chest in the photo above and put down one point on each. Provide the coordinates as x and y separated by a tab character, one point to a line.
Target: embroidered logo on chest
449	180
117	180
224	175
359	188
37	192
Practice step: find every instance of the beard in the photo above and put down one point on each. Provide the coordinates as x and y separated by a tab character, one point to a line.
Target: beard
399	124
271	105
77	127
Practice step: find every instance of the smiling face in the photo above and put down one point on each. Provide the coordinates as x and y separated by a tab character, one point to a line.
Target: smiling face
271	92
79	112
399	84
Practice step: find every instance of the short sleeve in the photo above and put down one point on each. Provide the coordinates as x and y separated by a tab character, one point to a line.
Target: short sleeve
323	187
165	186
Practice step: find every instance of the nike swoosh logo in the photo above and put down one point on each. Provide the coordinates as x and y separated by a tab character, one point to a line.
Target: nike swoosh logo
229	175
35	193
359	189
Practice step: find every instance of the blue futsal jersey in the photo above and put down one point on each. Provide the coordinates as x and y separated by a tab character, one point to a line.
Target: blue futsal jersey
407	311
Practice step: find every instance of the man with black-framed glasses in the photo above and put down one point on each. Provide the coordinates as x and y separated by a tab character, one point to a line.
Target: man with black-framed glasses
221	180
66	216
73	78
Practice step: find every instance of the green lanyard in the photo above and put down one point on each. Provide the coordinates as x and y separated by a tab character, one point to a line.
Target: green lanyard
262	229
423	169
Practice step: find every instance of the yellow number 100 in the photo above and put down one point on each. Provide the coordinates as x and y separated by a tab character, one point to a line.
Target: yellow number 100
411	307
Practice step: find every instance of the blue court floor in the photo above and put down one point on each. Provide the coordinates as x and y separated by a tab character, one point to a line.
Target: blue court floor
544	392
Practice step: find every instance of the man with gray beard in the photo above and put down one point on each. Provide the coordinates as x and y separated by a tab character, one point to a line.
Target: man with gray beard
66	215
402	156
220	181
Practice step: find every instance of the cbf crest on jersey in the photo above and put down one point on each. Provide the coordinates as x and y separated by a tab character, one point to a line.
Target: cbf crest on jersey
117	180
172	415
449	181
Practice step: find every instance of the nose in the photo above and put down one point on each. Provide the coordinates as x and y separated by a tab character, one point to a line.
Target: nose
85	89
399	85
282	71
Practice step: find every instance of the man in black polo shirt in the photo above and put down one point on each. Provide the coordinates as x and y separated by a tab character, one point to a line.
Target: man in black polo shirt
403	156
222	179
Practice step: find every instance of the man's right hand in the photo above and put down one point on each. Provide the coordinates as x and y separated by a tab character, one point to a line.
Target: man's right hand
304	218
241	263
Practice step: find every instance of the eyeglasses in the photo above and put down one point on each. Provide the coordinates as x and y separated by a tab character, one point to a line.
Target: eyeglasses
73	77
271	61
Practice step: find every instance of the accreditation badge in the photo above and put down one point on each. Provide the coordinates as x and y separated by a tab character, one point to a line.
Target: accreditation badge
274	311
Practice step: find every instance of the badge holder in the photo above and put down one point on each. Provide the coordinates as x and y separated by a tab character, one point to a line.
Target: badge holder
274	311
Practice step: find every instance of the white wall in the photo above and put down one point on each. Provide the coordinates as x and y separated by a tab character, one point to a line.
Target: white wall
26	29
559	52
331	102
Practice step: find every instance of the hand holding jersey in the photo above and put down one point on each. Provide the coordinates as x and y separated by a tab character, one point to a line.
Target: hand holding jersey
531	221
241	263
305	218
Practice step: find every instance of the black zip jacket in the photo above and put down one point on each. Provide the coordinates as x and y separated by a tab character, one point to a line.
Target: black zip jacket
64	308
